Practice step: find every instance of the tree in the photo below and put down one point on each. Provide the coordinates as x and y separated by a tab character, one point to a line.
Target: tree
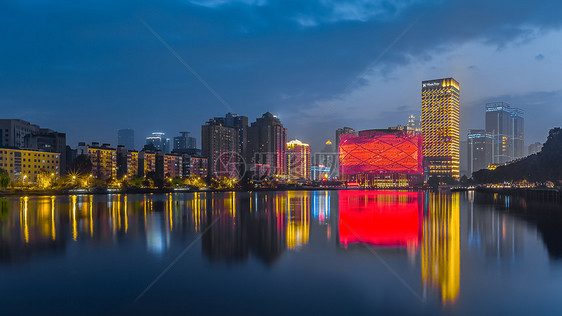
81	165
45	179
541	167
4	178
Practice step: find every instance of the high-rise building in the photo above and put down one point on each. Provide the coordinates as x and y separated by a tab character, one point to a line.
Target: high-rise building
440	123
506	124
414	124
220	145
267	140
339	133
184	142
534	148
13	132
126	138
159	141
479	150
517	133
240	123
298	160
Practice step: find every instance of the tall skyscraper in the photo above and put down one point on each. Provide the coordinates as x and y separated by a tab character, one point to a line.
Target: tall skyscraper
298	160
440	122
126	138
240	123
159	141
220	145
479	150
517	133
507	127
267	140
184	141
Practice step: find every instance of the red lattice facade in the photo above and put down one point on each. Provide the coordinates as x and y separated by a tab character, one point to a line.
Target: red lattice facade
373	154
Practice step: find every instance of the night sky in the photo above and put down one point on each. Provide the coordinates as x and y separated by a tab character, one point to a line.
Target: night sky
89	68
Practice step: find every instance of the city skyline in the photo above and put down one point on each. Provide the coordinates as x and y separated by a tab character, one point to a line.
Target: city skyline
331	91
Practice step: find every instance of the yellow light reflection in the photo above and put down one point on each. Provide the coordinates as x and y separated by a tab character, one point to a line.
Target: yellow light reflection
74	223
440	252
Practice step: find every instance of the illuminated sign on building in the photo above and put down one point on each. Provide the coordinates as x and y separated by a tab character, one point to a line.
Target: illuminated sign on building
431	84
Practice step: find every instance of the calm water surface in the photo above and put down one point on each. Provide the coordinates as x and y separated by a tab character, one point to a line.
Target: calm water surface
299	252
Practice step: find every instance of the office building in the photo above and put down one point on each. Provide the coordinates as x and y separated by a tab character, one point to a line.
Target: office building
49	141
24	165
506	124
126	138
220	145
440	123
21	134
159	141
383	158
534	148
184	142
479	150
298	160
267	140
517	133
13	132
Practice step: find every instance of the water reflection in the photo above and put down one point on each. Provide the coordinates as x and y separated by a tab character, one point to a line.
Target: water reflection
440	253
426	229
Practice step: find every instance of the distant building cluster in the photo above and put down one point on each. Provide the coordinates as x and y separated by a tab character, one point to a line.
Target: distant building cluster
233	148
502	140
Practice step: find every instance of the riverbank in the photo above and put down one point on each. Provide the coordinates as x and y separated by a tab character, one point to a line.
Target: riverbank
100	190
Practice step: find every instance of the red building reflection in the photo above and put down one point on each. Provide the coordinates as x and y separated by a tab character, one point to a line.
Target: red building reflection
390	219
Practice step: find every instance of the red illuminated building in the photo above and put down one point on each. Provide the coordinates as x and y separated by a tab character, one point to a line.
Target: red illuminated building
381	218
381	158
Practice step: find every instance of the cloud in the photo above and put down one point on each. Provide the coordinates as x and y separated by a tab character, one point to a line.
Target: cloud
276	55
221	3
539	57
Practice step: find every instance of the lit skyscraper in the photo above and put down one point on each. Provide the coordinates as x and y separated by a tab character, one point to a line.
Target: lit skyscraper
220	145
267	139
240	123
126	138
298	160
159	141
479	150
506	125
184	142
441	127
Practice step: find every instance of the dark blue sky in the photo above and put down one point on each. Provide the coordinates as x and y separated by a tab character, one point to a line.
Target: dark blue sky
89	68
